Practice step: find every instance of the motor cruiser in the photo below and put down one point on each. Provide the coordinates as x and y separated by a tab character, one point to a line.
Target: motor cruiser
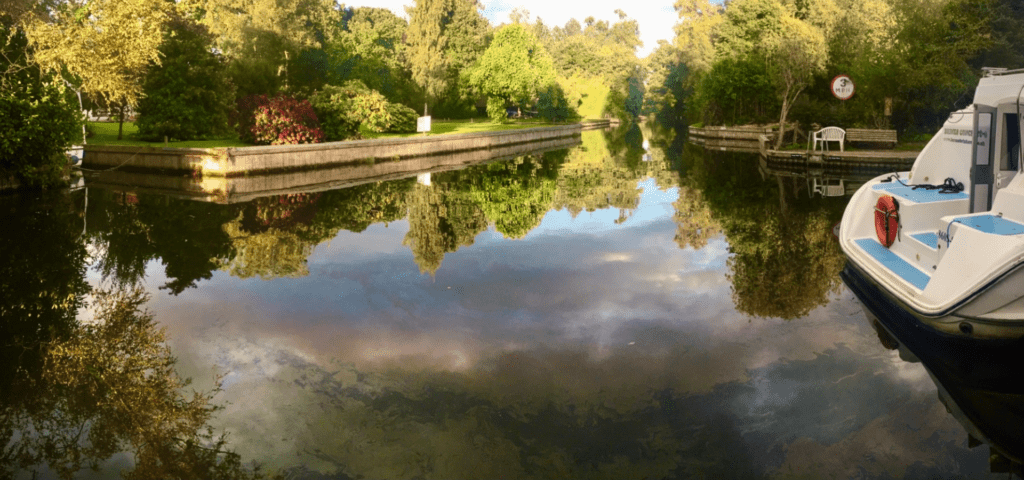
939	250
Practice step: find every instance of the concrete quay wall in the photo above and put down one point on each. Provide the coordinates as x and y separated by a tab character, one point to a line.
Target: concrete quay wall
245	188
232	162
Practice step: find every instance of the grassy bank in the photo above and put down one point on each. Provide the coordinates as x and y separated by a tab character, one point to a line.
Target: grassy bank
105	133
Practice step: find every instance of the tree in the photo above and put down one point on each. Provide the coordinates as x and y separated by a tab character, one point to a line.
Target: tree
597	65
371	48
666	94
101	46
795	57
512	69
695	32
444	38
266	40
38	114
188	95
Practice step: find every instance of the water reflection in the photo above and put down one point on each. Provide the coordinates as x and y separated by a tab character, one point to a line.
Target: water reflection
573	314
76	393
785	260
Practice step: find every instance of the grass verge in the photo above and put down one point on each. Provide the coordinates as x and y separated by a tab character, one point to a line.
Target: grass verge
105	134
443	127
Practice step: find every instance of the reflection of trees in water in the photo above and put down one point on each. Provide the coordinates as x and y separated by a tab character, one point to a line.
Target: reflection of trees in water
272	236
42	265
441	219
785	261
515	195
73	394
128	230
695	224
109	386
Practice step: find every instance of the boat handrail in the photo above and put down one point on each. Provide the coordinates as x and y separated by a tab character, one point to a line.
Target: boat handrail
994	72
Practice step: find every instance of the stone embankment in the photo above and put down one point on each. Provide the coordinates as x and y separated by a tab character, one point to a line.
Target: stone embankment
236	162
234	189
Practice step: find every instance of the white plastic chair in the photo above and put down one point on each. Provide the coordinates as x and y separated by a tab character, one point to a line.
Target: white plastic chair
829	134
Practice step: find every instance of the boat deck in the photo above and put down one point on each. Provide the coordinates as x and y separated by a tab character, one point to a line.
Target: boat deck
895	263
918	195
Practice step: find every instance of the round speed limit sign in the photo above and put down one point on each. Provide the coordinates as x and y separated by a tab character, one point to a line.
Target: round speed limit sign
842	87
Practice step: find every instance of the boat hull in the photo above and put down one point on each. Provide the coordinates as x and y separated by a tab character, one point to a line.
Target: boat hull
989	364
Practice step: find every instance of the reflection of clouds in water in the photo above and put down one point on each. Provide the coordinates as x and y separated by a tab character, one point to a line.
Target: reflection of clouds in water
810	415
612	320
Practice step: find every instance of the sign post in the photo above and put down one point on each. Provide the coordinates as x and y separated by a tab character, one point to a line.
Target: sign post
423	124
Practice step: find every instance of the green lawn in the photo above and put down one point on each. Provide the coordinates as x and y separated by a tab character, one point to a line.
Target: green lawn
441	127
105	133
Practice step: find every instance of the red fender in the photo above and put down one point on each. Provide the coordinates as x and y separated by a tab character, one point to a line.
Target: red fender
887	220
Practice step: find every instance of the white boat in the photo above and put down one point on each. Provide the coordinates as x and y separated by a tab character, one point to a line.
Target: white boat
939	250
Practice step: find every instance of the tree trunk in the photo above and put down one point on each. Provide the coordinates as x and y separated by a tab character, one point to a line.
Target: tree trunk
120	121
782	122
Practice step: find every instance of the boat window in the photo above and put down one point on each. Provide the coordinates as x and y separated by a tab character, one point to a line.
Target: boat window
1012	152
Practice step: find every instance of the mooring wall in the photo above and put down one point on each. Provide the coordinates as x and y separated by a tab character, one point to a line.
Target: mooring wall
742	138
222	189
232	162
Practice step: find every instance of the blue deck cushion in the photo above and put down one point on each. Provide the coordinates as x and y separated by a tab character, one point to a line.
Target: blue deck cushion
929	238
894	263
992	224
920	195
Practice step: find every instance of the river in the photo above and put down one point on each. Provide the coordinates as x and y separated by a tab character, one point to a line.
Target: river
604	311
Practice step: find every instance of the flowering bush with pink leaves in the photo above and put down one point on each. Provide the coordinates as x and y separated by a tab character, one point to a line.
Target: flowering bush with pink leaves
285	120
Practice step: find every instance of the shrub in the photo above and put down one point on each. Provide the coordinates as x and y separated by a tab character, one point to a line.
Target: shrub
343	109
285	120
39	116
403	118
245	113
380	115
333	106
552	104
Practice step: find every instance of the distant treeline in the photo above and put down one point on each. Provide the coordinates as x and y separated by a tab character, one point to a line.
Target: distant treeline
912	61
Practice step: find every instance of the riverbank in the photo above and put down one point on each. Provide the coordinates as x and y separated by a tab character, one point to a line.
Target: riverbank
242	161
229	190
105	133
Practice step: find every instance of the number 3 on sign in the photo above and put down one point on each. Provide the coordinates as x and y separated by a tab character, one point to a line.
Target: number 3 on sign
842	87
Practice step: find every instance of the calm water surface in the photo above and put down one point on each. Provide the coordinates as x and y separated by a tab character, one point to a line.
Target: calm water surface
599	312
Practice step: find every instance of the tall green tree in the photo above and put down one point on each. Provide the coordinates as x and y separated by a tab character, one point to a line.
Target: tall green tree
370	47
444	38
271	44
188	95
102	46
512	69
597	65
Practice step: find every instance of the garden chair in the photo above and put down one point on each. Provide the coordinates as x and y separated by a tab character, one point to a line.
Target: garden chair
828	134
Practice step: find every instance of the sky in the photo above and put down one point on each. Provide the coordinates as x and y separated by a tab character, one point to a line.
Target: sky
656	18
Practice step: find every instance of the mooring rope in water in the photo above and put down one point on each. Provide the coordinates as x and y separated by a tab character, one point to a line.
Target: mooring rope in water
105	169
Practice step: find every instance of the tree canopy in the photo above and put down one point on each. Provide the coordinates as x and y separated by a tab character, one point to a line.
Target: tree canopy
917	56
512	70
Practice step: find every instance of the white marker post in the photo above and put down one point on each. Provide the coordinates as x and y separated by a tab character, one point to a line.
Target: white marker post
423	124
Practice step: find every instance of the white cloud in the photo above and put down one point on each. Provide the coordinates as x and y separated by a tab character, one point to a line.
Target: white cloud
656	18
